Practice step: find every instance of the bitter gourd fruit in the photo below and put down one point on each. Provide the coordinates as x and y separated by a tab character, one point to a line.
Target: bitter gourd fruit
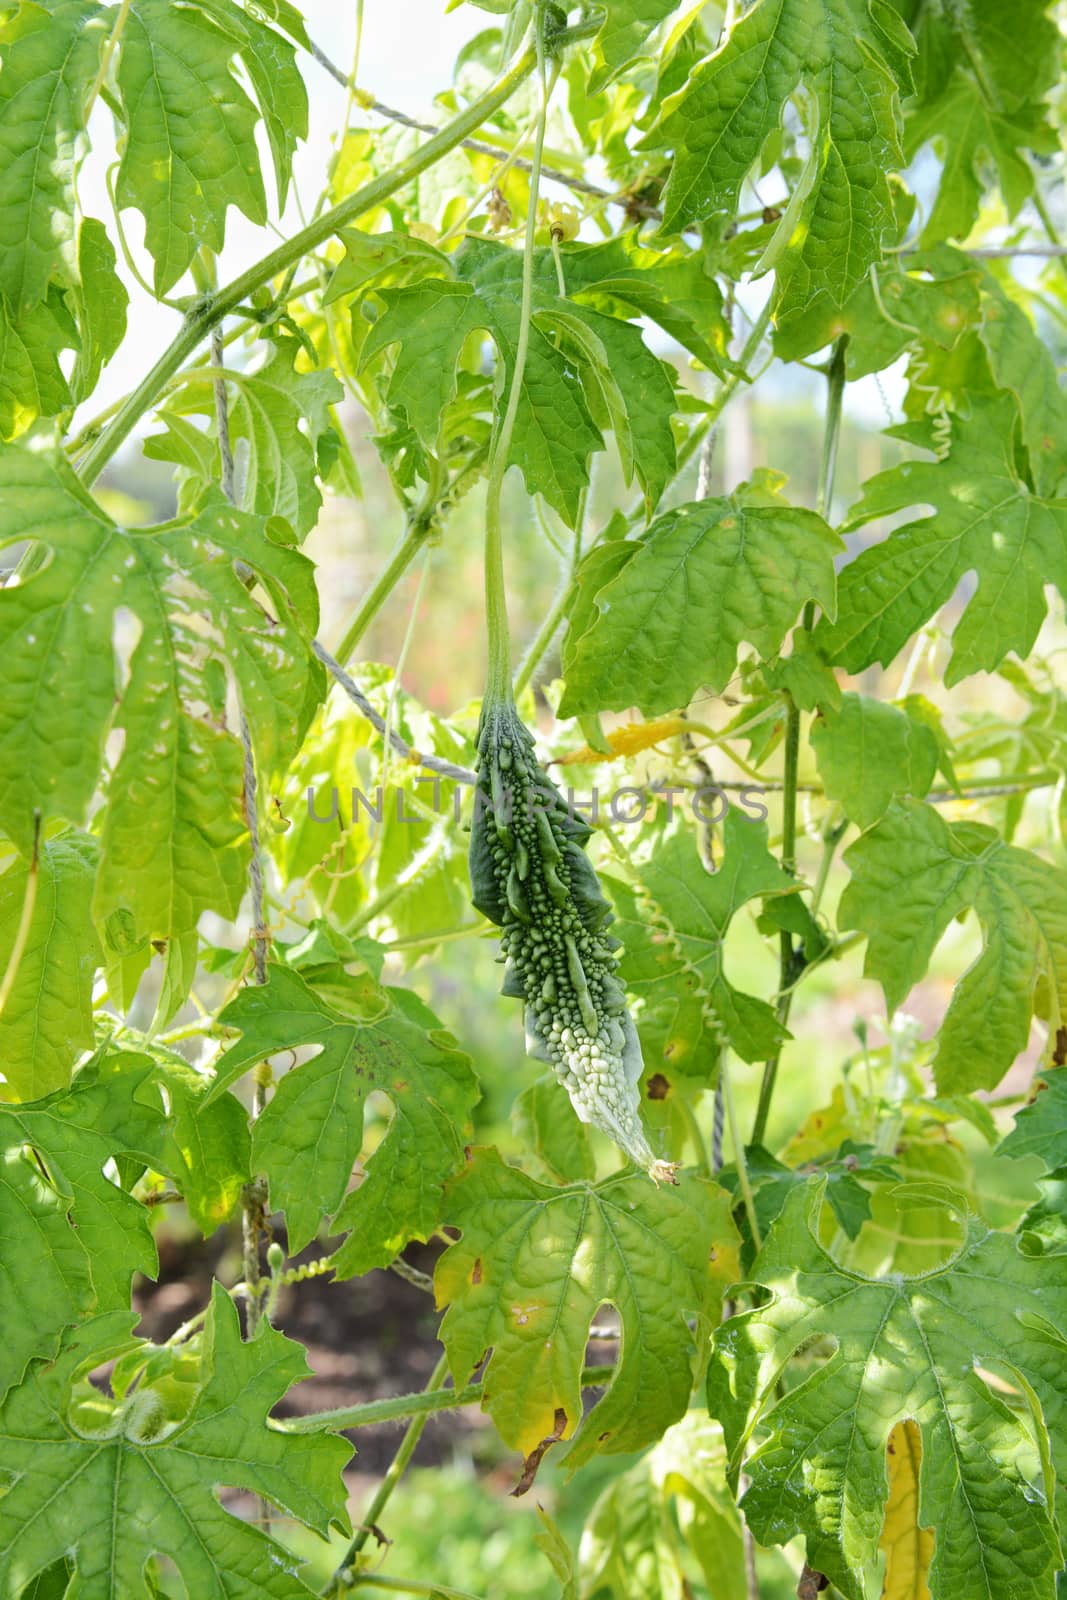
530	875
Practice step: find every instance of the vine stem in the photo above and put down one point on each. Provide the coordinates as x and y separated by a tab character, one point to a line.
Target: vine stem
498	675
436	1591
403	556
739	1151
199	322
397	1468
22	932
425	1403
254	1197
105	59
787	955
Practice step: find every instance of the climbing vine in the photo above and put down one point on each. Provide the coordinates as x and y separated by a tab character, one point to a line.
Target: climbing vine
760	1229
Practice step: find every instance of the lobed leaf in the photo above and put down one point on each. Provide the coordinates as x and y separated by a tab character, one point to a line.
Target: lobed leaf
850	57
172	837
110	1485
190	147
532	1267
72	1238
673	922
986	521
912	873
585	370
50	55
901	1348
678	603
309	1137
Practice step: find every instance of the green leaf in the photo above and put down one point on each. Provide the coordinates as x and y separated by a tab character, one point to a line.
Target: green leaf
584	370
50	55
804	676
47	1020
986	520
846	55
208	1147
558	1553
270	61
172	834
673	923
674	288
100	302
550	1132
700	581
911	875
280	415
982	75
966	133
631	1544
1040	1128
845	1175
309	1137
1021	362
931	297
72	1238
901	1347
623	35
529	1273
32	383
190	149
868	752
82	1470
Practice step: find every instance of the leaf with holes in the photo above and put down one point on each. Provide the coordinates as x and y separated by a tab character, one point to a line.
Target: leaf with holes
912	873
673	921
529	1273
72	1238
700	581
172	834
895	1348
312	1132
112	1484
986	520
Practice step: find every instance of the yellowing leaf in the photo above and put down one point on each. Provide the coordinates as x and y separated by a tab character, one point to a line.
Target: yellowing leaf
629	740
529	1273
908	1547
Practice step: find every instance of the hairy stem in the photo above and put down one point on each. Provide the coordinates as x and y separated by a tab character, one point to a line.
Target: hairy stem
105	58
787	973
397	1468
436	1591
198	324
739	1151
22	932
498	676
424	1403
